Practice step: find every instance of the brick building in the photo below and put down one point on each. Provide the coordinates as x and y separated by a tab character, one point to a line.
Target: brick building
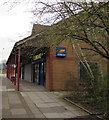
55	65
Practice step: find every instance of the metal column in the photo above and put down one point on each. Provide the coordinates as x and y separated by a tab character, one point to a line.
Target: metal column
15	71
18	85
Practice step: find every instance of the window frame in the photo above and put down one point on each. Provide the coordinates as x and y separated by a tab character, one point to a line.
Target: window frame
83	82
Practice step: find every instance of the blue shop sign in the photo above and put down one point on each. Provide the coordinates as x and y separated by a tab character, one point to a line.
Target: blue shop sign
60	51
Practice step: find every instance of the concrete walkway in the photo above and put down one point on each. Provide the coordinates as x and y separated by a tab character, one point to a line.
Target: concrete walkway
34	102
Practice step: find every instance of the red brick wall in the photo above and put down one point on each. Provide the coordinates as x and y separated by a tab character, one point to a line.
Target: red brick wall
63	73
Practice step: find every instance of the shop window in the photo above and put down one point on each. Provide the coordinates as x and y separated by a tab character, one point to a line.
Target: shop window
86	75
22	74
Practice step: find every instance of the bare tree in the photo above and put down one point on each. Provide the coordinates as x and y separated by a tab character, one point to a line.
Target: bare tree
81	21
85	21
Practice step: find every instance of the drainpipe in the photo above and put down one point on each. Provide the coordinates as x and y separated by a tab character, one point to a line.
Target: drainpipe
18	85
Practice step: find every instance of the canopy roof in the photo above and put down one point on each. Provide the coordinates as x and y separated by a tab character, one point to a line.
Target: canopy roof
32	44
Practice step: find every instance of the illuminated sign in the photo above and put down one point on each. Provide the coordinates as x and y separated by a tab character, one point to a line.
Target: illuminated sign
60	51
38	56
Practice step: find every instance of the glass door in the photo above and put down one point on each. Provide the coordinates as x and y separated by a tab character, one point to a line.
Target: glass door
36	73
42	74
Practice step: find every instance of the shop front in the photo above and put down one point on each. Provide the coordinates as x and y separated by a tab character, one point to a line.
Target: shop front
39	71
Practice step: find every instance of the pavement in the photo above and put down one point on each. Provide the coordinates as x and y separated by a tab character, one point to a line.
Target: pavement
34	102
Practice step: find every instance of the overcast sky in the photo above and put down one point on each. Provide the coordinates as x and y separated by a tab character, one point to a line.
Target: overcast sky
14	25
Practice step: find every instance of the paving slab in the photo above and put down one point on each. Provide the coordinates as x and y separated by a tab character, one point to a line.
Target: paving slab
35	110
6	112
20	116
52	115
18	111
35	102
39	115
13	104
